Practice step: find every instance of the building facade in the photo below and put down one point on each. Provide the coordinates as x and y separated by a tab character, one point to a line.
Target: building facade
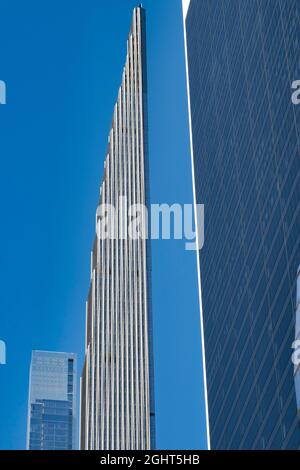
297	336
52	401
242	58
117	390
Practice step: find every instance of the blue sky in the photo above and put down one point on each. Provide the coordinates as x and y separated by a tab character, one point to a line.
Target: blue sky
62	63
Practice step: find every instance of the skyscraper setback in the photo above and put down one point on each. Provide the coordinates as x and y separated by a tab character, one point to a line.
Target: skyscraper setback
242	58
117	390
52	401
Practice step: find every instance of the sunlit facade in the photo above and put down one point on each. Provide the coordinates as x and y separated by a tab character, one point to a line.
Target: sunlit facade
117	389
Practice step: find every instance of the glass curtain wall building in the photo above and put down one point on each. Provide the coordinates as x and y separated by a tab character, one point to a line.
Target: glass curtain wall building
117	391
242	58
297	366
52	401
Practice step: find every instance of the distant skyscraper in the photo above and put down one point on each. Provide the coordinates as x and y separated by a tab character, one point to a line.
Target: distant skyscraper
297	367
243	56
117	391
52	401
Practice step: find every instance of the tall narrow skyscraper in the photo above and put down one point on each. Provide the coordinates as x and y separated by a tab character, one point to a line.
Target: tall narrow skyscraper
52	401
242	58
117	390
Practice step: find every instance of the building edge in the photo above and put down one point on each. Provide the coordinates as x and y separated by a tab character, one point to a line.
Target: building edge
185	10
148	241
